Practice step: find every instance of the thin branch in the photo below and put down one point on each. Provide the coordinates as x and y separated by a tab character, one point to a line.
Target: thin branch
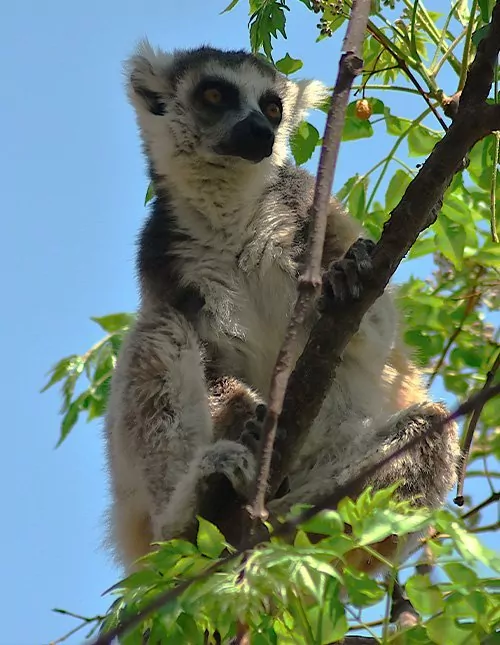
310	281
492	499
469	435
493	189
403	613
386	43
472	302
486	528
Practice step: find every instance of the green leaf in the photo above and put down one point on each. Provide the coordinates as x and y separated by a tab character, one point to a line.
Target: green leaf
450	240
423	246
421	141
444	630
462	11
489	254
303	142
357	199
61	369
354	127
396	125
150	193
69	420
424	596
345	190
324	523
289	65
114	322
363	591
460	574
209	540
339	620
229	7
486	7
193	633
468	544
397	186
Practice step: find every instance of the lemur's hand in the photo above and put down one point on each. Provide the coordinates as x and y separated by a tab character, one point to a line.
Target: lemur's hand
343	277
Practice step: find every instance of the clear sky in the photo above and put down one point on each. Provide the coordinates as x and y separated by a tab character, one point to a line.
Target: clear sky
72	194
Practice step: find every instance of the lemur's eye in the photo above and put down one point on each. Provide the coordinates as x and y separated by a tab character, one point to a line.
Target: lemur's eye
272	108
212	95
273	111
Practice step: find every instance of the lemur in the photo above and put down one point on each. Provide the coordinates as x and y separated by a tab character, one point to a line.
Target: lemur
218	263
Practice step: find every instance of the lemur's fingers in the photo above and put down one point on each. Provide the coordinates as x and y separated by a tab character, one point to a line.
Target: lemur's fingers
254	429
343	278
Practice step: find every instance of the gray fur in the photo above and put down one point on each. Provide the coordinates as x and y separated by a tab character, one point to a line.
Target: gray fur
218	263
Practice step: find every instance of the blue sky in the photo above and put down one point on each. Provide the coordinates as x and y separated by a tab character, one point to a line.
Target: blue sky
73	186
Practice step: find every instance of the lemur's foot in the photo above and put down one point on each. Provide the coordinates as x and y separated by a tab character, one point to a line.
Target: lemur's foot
252	437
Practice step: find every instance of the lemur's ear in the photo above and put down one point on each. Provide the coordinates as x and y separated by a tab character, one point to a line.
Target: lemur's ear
309	95
147	72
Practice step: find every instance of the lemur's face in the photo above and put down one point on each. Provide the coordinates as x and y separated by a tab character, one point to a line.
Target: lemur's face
236	120
218	107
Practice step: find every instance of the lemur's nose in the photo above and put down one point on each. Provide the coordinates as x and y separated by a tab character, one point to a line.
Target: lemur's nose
259	127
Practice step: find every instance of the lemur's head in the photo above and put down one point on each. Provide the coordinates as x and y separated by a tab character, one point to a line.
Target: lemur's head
215	108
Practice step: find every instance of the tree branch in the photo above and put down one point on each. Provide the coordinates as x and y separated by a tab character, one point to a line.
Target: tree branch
315	369
469	435
310	281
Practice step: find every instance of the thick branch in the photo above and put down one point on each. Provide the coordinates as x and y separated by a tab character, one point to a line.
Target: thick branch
315	369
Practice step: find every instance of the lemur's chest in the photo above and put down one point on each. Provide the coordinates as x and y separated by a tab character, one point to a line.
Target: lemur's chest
248	300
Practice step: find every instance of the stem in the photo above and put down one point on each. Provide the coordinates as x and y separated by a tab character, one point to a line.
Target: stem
493	190
434	70
467	47
433	32
443	35
399	140
401	60
469	308
469	435
394	88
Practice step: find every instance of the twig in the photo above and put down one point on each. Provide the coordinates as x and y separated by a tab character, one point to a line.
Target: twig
349	489
469	308
310	281
493	189
403	614
492	499
404	67
486	528
469	435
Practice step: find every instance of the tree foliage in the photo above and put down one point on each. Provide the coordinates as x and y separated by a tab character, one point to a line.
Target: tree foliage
295	593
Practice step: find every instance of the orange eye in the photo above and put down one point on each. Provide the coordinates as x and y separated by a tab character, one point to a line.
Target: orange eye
273	111
212	95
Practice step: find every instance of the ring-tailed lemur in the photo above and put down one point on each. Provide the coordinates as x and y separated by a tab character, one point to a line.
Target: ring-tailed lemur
218	263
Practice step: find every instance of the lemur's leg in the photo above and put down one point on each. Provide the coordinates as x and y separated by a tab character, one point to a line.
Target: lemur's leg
164	417
427	470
